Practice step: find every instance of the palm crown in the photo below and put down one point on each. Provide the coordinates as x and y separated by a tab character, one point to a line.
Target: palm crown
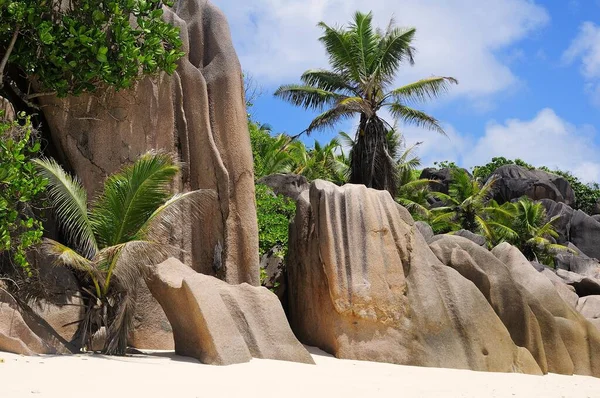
364	64
114	241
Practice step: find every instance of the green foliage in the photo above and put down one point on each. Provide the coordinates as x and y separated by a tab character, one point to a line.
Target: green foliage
274	215
484	172
466	204
445	164
78	46
114	241
524	224
20	188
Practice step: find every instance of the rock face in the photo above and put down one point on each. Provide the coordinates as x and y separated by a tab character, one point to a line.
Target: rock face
26	333
223	324
199	113
288	185
16	336
363	284
559	324
576	227
516	181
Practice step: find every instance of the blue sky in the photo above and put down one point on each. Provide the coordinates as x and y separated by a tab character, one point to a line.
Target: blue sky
529	72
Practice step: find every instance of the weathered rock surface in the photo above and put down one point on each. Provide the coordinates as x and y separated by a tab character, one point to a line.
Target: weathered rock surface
515	181
425	230
567	292
579	337
273	265
477	239
589	307
535	315
223	324
288	185
576	227
199	113
152	330
16	335
363	284
583	285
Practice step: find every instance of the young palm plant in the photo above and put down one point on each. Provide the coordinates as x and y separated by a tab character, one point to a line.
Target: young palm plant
364	64
467	203
113	242
524	224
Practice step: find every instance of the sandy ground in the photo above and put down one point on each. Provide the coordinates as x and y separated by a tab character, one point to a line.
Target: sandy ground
166	375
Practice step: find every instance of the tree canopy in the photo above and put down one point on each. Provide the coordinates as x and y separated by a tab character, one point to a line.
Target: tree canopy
78	46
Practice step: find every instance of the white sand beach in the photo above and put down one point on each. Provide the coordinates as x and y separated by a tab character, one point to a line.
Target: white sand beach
162	374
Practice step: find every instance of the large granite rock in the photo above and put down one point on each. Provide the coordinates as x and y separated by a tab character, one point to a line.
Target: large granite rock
198	112
16	336
363	284
579	337
576	227
589	307
288	185
515	181
535	315
151	328
24	332
223	324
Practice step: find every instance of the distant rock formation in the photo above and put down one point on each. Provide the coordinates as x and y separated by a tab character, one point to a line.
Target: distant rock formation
364	284
515	181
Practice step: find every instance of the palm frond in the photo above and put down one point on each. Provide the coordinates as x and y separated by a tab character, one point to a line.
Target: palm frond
328	81
338	44
69	201
394	49
364	42
330	117
422	90
415	117
65	256
192	204
131	196
308	97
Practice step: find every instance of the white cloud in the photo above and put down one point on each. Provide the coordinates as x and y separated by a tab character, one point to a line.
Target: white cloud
585	48
545	140
277	39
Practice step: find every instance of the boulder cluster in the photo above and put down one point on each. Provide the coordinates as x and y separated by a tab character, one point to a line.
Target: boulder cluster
363	280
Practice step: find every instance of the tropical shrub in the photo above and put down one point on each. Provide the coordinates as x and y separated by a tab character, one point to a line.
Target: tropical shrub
524	224
20	189
467	203
274	215
81	45
364	63
113	241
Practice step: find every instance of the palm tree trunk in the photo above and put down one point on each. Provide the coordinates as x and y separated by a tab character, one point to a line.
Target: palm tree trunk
370	162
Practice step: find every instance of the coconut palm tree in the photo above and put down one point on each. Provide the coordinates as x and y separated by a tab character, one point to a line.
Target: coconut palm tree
364	64
113	242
